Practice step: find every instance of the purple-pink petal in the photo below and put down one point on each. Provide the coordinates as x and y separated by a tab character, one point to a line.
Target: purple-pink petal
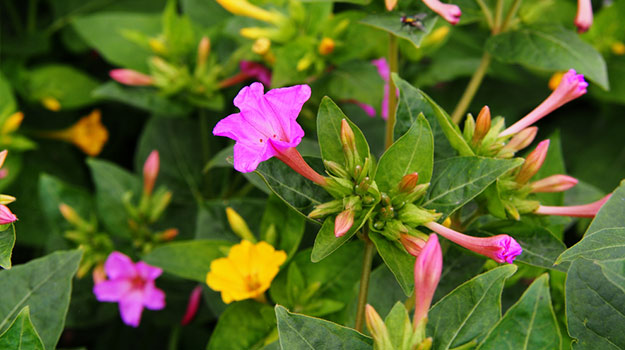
118	265
111	291
510	250
153	298
130	309
148	272
383	68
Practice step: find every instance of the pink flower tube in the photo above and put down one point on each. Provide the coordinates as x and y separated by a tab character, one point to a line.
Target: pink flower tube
427	274
6	216
554	183
192	306
571	87
579	211
131	77
265	127
583	19
451	13
501	248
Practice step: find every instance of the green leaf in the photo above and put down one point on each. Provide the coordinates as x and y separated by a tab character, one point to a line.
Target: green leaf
298	192
595	304
604	238
551	48
204	13
105	32
469	311
112	183
529	324
326	242
141	97
329	120
359	2
397	259
45	285
212	222
71	87
413	152
21	334
7	242
245	325
286	224
458	180
308	333
416	101
188	259
354	80
399	327
53	192
8	100
391	23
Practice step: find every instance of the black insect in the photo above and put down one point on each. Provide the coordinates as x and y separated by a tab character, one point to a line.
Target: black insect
414	21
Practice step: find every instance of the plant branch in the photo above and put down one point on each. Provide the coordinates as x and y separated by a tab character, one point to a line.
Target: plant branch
392	96
471	89
487	13
364	280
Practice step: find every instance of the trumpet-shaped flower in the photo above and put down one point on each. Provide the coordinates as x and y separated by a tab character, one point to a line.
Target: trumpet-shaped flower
131	77
88	134
6	216
451	13
427	273
265	127
579	211
131	285
501	248
385	72
571	87
583	19
245	8
554	183
247	272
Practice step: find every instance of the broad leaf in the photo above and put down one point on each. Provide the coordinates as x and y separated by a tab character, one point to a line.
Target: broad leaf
8	99
397	259
45	285
391	23
141	97
188	259
70	87
308	333
21	334
549	48
245	325
212	222
458	180
281	226
7	241
326	242
530	324
469	311
354	80
413	152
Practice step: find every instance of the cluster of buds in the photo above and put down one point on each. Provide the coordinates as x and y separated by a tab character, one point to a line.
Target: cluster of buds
96	245
150	209
412	336
349	183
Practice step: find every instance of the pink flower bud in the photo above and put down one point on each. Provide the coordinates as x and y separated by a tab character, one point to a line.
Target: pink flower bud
571	87
583	20
131	77
501	248
343	222
427	273
554	183
579	211
6	216
412	244
533	162
482	125
408	182
521	140
3	157
451	13
377	328
192	306
150	171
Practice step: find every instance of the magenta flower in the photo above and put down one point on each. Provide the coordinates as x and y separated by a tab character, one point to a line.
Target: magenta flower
553	183
265	127
249	70
192	306
427	274
451	13
6	216
501	248
571	87
579	211
131	77
131	285
583	19
385	72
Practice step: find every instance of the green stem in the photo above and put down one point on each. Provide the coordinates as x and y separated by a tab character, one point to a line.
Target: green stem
513	9
498	14
392	96
173	338
487	13
471	89
205	141
365	276
31	22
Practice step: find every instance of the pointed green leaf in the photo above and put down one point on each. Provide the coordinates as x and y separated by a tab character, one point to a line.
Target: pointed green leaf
45	285
7	241
288	226
188	259
69	86
469	311
245	325
21	334
329	120
391	22
458	180
212	221
399	326
145	98
529	324
300	332
413	152
551	48
397	259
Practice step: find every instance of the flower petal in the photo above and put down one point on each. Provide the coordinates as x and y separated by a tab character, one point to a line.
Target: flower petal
111	291
148	272
153	298
130	310
118	266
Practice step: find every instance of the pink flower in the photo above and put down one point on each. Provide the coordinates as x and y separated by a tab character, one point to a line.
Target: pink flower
6	216
192	306
583	20
554	183
257	71
131	77
451	13
150	171
501	248
571	87
533	162
385	72
265	127
131	285
427	273
579	211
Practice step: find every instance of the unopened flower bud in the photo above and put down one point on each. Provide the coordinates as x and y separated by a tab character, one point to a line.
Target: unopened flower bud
349	145
377	328
451	13
482	125
69	214
98	274
12	123
390	4
158	46
385	199
343	222
239	226
412	244
553	183
51	103
521	140
304	63
261	46
131	77
338	187
394	229
555	80
150	172
326	46
618	48
3	157
584	17
6	199
533	162
203	50
426	344
336	169
6	216
408	183
325	209
192	306
427	273
168	235
413	215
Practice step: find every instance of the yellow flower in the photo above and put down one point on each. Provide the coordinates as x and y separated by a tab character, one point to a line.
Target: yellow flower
244	8
326	46
618	48
261	46
247	272
88	134
51	103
